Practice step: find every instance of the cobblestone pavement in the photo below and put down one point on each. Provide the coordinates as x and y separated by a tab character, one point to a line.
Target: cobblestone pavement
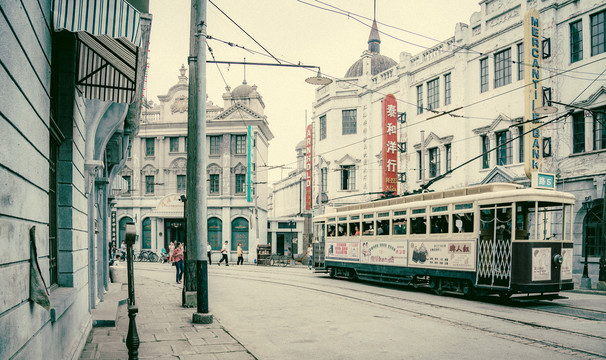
165	330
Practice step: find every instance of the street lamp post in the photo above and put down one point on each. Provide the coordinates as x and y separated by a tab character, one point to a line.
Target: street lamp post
132	337
586	280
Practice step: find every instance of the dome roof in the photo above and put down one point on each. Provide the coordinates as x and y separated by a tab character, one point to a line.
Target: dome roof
378	63
300	145
243	91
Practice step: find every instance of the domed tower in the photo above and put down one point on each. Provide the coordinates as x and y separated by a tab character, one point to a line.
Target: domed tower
378	62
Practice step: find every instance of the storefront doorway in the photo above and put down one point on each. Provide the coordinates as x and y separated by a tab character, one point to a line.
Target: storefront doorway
174	230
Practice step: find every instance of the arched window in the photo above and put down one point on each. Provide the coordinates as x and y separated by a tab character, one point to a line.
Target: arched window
215	233
122	230
594	245
239	233
146	234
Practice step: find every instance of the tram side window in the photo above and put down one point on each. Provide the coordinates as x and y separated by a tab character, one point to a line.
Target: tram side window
331	230
367	227
462	223
354	229
525	219
399	226
382	227
439	224
341	229
418	225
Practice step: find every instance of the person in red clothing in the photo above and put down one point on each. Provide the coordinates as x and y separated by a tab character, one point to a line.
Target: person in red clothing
178	259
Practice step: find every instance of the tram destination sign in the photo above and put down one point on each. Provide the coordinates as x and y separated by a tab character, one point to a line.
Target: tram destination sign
543	181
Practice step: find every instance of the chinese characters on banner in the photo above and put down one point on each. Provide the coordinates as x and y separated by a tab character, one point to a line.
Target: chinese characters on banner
390	144
308	155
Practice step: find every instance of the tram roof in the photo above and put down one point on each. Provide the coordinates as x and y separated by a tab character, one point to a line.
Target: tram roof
509	192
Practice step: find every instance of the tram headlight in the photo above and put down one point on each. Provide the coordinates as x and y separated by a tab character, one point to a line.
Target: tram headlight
558	260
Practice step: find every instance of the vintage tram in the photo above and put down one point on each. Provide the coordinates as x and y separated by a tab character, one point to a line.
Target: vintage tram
495	238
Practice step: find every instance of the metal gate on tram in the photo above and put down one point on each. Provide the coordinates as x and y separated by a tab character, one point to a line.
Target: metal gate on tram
318	261
495	246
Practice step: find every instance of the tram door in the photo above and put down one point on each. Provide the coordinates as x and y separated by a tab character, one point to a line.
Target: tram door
318	246
495	247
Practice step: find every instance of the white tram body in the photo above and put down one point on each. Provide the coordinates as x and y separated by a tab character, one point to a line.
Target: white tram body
495	238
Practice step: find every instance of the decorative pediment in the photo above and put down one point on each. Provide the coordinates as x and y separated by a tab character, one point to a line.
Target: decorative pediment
178	166
149	170
126	171
239	169
213	169
434	140
239	111
591	99
347	160
490	128
322	163
498	175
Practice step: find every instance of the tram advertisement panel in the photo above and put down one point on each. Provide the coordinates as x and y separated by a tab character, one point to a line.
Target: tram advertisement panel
541	264
566	267
384	253
336	250
452	255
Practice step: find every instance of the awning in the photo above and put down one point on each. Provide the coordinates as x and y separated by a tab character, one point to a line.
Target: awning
114	18
109	34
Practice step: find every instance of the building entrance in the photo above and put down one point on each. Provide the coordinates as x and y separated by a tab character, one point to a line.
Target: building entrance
174	230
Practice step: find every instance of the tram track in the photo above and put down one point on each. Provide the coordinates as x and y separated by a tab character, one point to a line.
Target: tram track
507	335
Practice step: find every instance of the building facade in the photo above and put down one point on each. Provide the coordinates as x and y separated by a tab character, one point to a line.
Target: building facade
154	177
68	110
462	102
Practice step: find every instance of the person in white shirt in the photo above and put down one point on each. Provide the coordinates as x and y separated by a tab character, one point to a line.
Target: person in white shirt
224	255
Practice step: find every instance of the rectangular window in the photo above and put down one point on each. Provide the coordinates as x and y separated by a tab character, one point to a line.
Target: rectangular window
447	90
521	143
484	75
324	179
149	184
174	144
240	144
349	123
546	147
599	130
578	132
503	148
434	162
150	146
502	68
185	138
448	149
129	153
419	99
127	179
240	183
181	183
348	177
598	33
433	94
420	165
485	153
213	187
576	41
521	61
215	145
322	127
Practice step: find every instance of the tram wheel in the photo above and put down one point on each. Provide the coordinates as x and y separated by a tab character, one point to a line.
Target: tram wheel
333	272
351	275
505	295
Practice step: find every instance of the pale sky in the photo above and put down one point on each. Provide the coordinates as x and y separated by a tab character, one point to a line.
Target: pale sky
294	31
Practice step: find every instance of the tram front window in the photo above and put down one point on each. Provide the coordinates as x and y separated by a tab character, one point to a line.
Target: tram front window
525	220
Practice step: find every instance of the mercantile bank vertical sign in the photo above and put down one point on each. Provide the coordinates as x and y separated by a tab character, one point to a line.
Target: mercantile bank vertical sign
532	92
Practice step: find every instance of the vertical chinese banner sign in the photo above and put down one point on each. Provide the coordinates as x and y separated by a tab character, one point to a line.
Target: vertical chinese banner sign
249	142
308	154
390	144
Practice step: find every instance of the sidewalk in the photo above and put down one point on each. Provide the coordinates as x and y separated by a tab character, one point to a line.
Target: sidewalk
165	330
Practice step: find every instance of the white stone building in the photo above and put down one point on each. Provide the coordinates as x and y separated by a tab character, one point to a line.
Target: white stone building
463	97
155	172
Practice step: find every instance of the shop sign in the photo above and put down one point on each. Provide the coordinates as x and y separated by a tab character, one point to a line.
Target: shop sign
390	144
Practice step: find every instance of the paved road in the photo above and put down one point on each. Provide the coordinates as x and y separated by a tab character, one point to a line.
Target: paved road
279	313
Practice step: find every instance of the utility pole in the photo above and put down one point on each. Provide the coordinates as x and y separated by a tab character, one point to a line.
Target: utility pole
196	167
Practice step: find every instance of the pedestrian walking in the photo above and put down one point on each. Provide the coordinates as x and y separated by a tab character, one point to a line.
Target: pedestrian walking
224	255
209	252
240	255
178	259
171	249
310	256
